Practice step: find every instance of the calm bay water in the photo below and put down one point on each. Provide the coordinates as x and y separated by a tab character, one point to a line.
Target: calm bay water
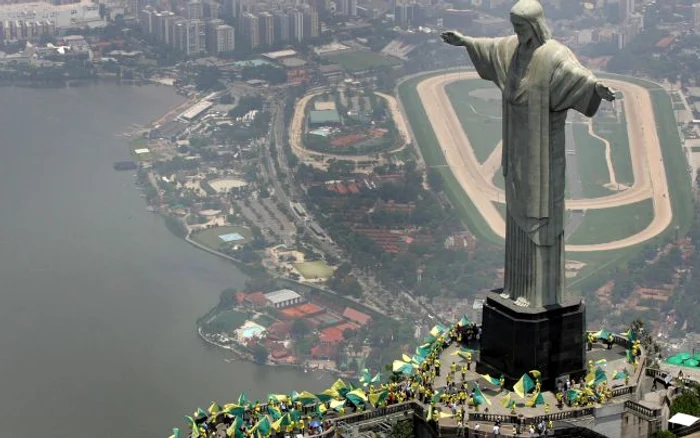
97	299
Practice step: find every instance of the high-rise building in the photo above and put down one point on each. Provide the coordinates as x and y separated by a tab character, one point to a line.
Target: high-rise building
250	29
624	10
346	7
231	8
179	34
189	36
225	38
211	10
147	20
281	27
312	25
267	29
403	13
168	18
136	6
195	10
220	37
296	26
211	34
196	37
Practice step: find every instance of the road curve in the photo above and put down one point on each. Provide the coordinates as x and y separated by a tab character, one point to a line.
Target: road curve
645	151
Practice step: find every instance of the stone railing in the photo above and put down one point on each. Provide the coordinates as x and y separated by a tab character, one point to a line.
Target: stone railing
642	411
623	390
654	372
554	416
382	412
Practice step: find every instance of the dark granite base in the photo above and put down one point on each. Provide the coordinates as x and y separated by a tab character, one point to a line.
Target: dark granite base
515	340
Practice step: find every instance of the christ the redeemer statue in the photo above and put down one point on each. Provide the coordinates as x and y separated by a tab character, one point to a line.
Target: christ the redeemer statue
540	80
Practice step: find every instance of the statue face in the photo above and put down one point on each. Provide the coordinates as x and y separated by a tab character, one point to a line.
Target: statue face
523	29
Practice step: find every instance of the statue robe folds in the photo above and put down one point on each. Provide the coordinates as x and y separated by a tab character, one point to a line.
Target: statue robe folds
536	97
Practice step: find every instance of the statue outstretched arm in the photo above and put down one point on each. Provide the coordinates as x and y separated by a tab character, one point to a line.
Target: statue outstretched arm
604	91
455	38
490	56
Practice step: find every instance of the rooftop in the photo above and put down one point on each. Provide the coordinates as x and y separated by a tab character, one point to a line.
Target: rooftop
280	54
281	296
356	316
293	62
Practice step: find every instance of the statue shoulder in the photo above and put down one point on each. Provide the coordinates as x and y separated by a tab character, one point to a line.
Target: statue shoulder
554	52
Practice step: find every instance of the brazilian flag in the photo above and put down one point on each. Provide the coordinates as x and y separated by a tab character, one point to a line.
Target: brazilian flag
523	386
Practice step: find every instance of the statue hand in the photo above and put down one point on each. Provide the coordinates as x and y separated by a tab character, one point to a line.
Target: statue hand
604	91
454	38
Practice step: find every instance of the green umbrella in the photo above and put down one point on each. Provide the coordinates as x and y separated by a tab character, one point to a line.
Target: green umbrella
696	356
684	355
691	363
674	360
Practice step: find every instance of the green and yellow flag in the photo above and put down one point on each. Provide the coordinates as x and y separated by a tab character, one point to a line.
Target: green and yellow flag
176	433
277	398
233	410
536	400
274	412
243	399
327	395
214	409
304	397
377	397
506	400
337	404
480	398
263	427
193	425
523	386
283	421
491	380
340	388
234	430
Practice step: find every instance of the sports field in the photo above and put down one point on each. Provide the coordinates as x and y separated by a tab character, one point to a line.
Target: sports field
222	237
314	270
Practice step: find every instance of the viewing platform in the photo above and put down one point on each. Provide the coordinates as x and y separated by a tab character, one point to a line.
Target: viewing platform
634	408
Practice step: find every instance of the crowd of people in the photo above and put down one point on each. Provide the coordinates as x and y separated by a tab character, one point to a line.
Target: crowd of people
413	378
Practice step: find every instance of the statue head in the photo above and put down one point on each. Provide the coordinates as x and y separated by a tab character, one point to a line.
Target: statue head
527	17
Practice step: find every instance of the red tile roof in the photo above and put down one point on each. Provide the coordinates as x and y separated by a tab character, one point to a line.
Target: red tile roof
279	329
323	351
256	298
356	316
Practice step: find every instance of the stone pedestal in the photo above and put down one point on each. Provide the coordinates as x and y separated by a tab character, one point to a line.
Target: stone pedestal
515	340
